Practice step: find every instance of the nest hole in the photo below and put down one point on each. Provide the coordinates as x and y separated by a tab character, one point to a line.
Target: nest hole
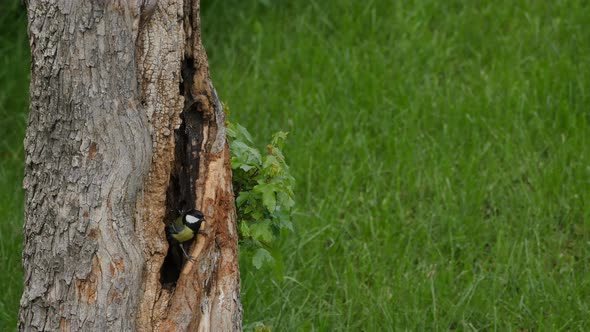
181	194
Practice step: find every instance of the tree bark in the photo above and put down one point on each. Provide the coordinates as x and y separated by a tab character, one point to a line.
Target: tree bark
125	128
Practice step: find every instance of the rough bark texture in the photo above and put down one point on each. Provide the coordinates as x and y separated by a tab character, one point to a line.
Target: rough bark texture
125	128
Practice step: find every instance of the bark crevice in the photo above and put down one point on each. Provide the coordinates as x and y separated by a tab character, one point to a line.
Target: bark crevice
182	192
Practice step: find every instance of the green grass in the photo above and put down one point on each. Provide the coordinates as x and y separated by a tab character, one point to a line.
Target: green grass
441	149
14	92
442	156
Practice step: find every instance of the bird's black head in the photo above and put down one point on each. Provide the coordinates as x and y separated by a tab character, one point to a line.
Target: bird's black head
193	219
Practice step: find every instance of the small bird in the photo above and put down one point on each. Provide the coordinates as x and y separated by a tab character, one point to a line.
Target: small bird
185	229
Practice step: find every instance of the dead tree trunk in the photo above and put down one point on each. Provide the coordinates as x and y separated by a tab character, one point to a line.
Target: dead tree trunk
124	129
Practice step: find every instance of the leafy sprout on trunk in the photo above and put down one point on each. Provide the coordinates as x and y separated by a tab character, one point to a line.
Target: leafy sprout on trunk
263	187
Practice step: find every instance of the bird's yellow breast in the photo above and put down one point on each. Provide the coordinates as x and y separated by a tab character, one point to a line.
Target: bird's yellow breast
184	235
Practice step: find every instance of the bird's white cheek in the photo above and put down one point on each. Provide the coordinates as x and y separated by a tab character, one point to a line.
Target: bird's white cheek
191	220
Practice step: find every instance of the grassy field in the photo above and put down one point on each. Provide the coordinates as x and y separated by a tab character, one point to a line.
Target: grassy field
441	148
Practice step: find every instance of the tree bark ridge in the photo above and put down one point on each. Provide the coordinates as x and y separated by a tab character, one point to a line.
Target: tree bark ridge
88	148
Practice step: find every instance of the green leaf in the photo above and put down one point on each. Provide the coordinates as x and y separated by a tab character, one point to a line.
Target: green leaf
243	133
261	231
243	197
256	214
284	219
245	167
269	199
245	153
277	153
285	199
271	166
287	224
244	229
261	256
279	138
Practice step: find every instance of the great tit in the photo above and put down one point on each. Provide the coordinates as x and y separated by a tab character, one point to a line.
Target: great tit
185	228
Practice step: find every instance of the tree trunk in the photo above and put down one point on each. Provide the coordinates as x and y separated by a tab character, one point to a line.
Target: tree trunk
125	129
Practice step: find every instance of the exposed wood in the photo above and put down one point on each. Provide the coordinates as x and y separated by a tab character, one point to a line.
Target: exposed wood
125	127
160	50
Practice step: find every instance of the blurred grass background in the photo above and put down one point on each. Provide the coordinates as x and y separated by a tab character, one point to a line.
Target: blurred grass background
14	97
441	152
